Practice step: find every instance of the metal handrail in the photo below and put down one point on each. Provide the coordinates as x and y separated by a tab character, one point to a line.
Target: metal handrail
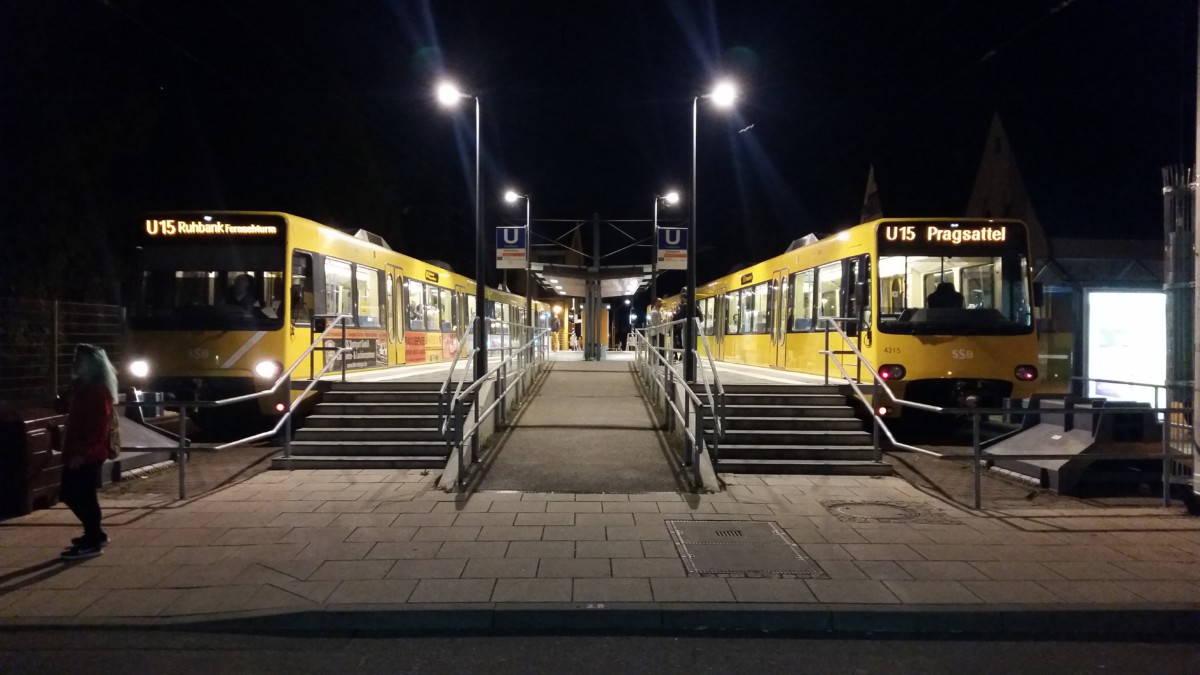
458	434
695	438
979	453
443	401
284	421
718	413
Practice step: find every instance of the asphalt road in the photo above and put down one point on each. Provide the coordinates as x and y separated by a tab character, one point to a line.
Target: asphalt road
132	652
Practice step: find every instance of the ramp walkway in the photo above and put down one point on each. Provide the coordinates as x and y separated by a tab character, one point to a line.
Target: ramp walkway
585	429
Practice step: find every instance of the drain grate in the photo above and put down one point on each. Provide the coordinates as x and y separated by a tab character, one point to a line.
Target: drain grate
739	548
885	512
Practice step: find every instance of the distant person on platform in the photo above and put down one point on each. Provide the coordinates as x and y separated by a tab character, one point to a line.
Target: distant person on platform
944	296
555	333
92	438
655	321
681	316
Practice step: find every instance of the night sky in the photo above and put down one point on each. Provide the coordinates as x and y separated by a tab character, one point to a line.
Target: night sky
115	108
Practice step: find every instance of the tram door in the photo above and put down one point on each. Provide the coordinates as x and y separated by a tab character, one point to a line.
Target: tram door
856	294
395	313
776	316
463	314
717	341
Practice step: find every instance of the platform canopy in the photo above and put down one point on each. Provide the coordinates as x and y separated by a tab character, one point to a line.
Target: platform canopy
571	280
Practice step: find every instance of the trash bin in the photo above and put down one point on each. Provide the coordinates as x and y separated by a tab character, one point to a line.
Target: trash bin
31	439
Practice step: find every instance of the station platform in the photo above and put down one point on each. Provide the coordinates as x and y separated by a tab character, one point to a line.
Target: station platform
381	552
385	551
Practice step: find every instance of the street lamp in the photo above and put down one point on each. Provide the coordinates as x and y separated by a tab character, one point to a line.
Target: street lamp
723	95
670	199
449	95
511	197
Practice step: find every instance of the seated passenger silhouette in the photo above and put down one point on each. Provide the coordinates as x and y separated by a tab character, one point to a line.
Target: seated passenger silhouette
239	293
944	297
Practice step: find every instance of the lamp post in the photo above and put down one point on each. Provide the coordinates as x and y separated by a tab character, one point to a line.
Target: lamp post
511	196
723	96
449	95
669	199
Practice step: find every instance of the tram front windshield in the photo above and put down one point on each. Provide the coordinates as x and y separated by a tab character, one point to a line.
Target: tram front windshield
954	295
209	287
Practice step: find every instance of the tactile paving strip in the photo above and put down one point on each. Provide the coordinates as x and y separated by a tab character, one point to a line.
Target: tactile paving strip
741	548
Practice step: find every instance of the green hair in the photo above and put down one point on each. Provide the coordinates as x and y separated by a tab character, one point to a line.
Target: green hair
92	367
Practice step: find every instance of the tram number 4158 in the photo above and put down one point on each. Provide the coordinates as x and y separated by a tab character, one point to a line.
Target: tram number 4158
962	354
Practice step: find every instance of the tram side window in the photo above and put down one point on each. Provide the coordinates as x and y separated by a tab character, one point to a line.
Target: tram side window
446	307
733	314
338	294
302	288
391	320
401	308
893	291
802	300
829	292
758	322
368	296
708	321
433	312
748	310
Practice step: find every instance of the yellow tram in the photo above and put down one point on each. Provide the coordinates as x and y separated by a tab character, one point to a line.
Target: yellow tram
225	300
942	308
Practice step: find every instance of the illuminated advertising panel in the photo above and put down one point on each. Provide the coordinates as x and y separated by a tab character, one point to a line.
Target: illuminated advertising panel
1127	343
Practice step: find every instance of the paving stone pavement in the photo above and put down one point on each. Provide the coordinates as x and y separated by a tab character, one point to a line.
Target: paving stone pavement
339	542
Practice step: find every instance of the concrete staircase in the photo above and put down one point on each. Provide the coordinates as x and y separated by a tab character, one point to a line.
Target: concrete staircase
371	425
804	429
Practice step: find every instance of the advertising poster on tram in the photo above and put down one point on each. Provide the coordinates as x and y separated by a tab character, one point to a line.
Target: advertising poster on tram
365	353
414	348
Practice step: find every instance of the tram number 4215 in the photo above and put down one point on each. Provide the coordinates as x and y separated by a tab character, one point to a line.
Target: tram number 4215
962	354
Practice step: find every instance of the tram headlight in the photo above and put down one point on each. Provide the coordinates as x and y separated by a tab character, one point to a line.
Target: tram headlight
1026	373
892	371
139	368
268	370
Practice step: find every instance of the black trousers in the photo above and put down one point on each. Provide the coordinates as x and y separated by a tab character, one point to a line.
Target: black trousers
79	493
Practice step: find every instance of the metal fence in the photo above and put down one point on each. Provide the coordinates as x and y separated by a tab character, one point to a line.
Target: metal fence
38	338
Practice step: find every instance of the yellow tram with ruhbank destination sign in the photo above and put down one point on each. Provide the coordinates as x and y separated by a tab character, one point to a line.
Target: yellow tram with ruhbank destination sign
942	308
224	301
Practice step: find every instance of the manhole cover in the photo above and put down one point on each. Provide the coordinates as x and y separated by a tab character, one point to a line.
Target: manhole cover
744	548
885	512
875	511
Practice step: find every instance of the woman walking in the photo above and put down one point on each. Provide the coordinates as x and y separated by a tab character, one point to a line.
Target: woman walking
90	423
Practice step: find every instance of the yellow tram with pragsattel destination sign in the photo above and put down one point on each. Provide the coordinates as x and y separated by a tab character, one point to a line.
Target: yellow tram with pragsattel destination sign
942	308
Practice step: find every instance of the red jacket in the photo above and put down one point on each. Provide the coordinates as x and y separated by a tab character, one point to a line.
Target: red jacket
88	425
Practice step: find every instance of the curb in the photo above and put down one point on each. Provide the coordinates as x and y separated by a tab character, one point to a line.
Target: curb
1176	622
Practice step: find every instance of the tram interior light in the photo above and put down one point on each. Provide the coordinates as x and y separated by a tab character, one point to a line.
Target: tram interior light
139	368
